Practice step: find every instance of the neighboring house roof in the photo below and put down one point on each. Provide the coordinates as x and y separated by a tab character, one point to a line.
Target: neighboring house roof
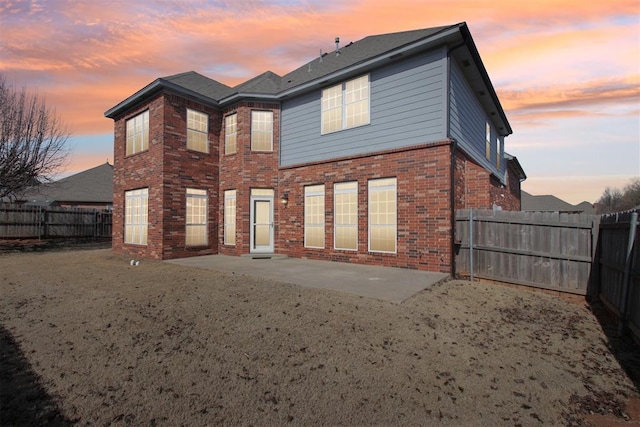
358	57
93	185
550	203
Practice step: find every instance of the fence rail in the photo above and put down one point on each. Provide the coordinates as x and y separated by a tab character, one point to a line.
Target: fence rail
37	222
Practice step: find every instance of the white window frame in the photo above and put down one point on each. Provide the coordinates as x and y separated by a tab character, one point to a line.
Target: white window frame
340	189
229	233
261	125
137	134
197	128
231	133
342	103
375	221
314	213
196	224
498	153
136	216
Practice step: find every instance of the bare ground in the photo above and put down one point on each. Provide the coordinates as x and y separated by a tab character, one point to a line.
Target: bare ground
88	339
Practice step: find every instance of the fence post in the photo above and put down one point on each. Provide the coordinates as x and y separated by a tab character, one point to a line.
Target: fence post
627	273
471	244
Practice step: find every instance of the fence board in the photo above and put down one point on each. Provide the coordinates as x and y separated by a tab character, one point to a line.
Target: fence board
35	222
542	249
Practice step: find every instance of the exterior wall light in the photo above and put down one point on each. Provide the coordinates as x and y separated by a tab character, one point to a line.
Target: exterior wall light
285	199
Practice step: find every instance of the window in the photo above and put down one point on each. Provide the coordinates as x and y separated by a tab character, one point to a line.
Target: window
498	153
345	105
136	216
138	133
262	131
314	216
197	131
230	217
230	134
346	215
196	217
487	145
382	215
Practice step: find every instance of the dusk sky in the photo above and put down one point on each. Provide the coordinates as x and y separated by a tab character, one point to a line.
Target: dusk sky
567	72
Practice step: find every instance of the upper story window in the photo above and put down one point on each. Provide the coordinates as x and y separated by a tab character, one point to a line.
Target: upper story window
230	134
345	105
197	131
487	144
138	133
498	154
262	131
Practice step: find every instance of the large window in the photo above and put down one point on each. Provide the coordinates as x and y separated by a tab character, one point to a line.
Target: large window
138	133
346	215
230	134
197	131
382	215
230	217
261	131
345	105
196	217
136	216
314	216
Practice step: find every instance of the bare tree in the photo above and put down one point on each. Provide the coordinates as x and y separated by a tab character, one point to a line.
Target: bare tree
32	140
614	200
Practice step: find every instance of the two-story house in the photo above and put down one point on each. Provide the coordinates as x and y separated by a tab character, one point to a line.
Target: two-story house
362	155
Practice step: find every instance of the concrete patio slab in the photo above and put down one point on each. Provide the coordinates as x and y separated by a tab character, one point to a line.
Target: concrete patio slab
383	283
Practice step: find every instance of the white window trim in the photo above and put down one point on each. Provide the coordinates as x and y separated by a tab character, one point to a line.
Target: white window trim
229	195
316	193
394	226
270	149
344	105
130	134
226	134
140	195
205	132
194	193
335	224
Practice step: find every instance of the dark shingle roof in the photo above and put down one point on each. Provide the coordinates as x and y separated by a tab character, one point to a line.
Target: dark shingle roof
94	185
354	53
266	83
361	56
200	84
550	203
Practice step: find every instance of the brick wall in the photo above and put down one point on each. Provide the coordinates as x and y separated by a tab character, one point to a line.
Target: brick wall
167	168
423	207
184	168
140	170
247	169
477	188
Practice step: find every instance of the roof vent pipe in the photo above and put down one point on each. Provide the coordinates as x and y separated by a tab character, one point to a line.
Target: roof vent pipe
337	46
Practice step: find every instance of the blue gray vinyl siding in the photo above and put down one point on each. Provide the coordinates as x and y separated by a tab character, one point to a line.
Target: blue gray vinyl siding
468	122
407	102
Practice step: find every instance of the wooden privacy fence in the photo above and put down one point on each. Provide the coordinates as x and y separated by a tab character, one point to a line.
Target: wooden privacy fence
37	222
541	249
618	267
580	254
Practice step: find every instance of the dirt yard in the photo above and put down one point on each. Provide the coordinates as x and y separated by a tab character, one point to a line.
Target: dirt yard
88	339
